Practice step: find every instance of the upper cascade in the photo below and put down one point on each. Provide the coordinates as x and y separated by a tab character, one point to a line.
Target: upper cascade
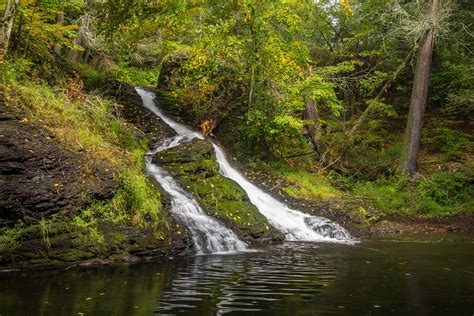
295	225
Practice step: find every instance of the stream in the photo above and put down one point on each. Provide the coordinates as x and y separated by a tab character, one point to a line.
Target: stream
424	275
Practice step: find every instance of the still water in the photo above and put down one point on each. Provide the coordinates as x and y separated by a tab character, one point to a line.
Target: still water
433	275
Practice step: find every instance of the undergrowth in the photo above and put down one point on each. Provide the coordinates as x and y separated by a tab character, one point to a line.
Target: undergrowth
443	194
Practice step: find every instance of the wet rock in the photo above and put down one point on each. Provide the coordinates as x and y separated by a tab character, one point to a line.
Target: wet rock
195	167
149	124
43	186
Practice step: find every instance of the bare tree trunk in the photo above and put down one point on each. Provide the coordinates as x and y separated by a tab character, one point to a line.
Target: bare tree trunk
75	55
60	21
311	114
6	24
418	101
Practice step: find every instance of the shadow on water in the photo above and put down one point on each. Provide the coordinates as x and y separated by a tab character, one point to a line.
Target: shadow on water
377	277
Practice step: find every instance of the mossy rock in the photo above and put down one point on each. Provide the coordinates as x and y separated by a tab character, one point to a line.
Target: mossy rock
61	243
194	165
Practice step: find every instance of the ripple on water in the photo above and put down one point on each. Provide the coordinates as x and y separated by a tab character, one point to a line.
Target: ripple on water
245	285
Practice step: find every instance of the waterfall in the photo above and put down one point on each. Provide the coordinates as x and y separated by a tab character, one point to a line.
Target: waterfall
208	234
295	225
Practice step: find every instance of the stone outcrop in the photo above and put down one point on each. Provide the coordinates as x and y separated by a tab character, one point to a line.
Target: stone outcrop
39	178
194	165
44	186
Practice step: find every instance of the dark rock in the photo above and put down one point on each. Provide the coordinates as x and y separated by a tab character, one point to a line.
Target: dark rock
171	68
39	177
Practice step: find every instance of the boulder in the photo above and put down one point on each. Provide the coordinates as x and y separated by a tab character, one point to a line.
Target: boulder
194	165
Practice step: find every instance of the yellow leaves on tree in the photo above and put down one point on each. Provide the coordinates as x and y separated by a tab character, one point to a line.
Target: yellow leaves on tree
347	7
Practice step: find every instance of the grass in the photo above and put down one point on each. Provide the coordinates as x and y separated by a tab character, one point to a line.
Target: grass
301	183
9	239
122	72
310	186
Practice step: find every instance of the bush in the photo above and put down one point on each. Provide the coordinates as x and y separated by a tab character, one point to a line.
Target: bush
448	188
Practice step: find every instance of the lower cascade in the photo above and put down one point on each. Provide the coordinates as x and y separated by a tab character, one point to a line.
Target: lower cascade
295	225
208	234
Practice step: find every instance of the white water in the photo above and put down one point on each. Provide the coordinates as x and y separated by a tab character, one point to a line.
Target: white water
208	235
295	225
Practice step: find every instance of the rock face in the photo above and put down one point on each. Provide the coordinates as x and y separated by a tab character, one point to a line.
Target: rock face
154	129
39	178
195	166
43	186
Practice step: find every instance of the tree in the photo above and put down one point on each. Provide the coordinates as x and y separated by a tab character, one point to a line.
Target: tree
6	24
59	20
418	98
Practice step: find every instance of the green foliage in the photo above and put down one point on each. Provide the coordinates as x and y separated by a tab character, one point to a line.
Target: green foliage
91	125
448	188
92	77
44	231
454	143
447	193
15	69
250	67
136	76
9	239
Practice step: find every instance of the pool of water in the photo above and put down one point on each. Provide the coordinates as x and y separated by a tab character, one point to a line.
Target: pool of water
433	275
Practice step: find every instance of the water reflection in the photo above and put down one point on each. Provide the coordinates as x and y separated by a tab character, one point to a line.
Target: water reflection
289	274
373	278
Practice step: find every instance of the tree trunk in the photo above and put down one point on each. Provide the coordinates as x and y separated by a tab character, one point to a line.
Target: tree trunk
75	55
6	24
60	21
311	114
418	101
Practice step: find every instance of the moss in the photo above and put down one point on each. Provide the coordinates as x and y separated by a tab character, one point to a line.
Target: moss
71	243
195	167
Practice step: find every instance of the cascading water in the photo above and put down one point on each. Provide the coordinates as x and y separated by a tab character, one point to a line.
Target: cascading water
295	225
209	236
